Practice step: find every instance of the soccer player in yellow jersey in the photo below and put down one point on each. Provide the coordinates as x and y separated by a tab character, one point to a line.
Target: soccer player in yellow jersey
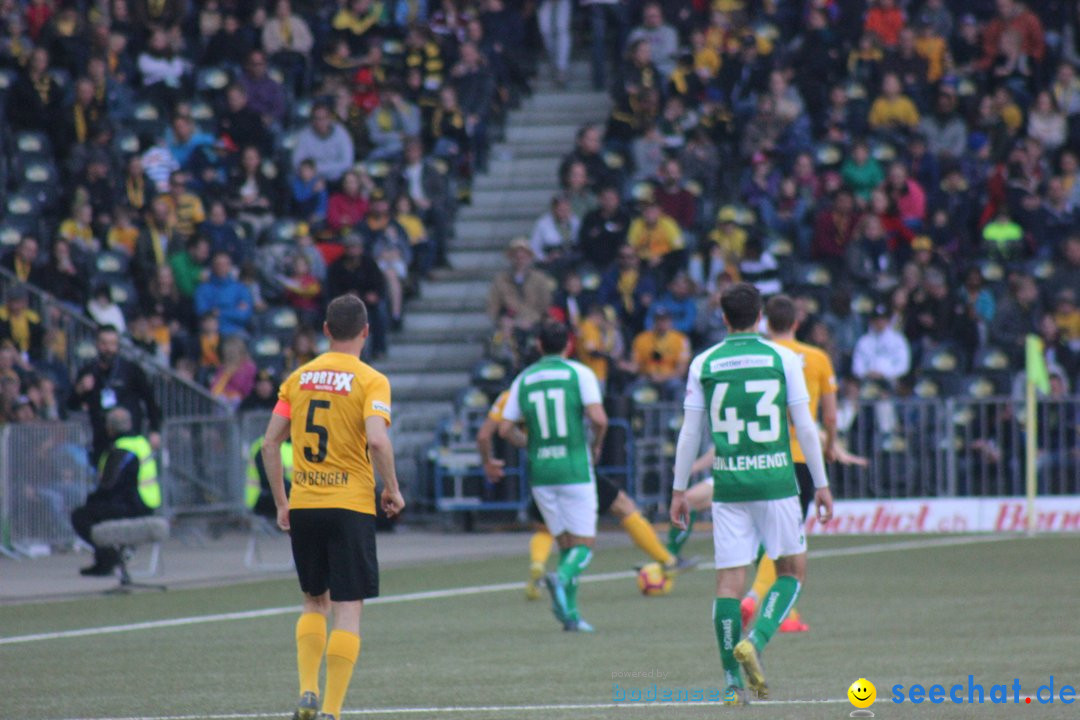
609	497
821	384
336	412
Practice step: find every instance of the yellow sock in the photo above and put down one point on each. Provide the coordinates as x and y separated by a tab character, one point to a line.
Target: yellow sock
310	643
540	545
341	653
766	576
643	535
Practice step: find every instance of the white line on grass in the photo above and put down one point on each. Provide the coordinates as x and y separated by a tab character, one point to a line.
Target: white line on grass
363	712
465	591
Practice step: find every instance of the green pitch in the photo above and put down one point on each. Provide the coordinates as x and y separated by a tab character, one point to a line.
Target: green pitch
923	613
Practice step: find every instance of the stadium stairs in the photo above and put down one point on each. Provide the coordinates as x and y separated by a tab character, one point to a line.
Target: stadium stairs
431	362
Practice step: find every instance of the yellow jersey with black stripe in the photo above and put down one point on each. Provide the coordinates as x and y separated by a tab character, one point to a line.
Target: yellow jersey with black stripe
327	402
820	379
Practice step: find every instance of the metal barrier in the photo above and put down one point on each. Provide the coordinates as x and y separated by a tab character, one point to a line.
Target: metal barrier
175	395
460	484
44	475
916	448
202	466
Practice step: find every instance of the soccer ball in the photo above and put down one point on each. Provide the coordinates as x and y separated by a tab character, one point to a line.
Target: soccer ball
652	580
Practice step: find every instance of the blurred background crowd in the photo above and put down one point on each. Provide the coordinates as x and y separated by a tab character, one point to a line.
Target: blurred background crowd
907	171
205	176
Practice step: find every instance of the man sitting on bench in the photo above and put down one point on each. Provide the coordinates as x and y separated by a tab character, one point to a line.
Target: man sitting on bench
127	487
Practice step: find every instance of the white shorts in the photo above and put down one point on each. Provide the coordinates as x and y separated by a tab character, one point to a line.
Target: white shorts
740	528
568	508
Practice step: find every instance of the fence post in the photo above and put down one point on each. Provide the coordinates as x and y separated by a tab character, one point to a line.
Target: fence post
950	447
5	494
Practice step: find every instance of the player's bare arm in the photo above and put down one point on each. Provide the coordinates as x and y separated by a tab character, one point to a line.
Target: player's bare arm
382	457
599	421
277	431
493	467
828	421
806	431
513	434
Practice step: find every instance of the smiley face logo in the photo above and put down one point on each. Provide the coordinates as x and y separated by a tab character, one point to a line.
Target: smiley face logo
862	693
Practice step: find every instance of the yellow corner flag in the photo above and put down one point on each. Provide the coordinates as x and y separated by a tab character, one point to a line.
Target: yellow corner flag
1035	364
1037	378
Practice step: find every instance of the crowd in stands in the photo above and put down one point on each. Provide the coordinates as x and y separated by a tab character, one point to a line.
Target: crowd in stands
205	176
907	170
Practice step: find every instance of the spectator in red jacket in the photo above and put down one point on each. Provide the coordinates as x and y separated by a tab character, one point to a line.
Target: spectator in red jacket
349	206
834	229
1013	16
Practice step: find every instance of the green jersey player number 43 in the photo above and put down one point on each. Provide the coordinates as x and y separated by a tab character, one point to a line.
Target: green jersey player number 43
743	391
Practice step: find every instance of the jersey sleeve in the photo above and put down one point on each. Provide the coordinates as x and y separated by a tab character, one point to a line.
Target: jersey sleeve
797	392
512	407
377	398
284	403
695	393
498	407
589	386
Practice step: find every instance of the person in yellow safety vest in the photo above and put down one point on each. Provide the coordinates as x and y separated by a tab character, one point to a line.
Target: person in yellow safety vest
257	489
127	487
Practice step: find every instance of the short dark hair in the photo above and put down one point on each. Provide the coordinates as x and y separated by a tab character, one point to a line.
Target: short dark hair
106	329
346	317
741	304
553	337
780	311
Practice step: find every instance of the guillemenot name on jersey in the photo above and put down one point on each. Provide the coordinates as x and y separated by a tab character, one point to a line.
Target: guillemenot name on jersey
752	462
339	383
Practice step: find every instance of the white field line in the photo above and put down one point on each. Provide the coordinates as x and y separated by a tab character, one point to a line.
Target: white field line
464	591
365	712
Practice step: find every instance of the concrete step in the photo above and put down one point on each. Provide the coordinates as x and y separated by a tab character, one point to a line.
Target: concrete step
558	116
500	230
428	385
491	260
553	150
465	324
518	167
525	211
585	102
452	289
475	301
509	199
472	275
528	132
432	353
524	181
447	335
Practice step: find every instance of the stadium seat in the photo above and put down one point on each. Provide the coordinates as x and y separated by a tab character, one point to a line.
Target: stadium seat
123	293
125	142
147	120
113	263
266	353
31	141
21	206
991	357
210	82
942	359
281	231
490	377
280	322
9	237
979	386
38	178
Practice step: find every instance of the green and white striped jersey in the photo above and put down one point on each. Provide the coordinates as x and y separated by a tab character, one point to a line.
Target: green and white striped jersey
550	397
746	384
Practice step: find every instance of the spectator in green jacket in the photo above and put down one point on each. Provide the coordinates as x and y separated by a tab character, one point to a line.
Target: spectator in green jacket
189	265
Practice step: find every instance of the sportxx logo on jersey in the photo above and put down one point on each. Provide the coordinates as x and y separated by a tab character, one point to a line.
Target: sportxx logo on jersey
339	383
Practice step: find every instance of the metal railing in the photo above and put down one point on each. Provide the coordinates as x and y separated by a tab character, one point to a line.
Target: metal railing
915	447
44	475
202	466
176	395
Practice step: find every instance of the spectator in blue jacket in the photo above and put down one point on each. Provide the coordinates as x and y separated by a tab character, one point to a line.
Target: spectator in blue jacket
680	304
224	296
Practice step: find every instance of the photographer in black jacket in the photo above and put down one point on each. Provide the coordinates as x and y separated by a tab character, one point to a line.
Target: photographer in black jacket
108	382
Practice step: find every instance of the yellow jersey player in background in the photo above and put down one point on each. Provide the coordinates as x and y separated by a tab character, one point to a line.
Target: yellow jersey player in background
336	412
821	385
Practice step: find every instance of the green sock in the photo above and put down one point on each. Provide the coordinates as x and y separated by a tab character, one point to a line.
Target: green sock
573	562
571	600
676	538
775	606
727	622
